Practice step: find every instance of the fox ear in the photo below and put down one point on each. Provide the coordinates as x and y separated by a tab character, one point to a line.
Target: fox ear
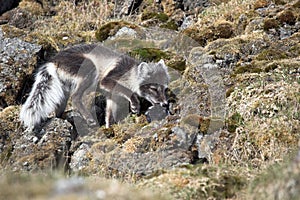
143	69
162	63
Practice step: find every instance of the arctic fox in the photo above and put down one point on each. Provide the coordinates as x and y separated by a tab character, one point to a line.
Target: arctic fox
82	69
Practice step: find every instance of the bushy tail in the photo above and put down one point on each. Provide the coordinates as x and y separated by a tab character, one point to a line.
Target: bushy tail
46	94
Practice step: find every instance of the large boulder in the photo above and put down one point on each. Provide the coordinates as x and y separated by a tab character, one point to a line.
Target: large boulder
22	150
8	5
18	59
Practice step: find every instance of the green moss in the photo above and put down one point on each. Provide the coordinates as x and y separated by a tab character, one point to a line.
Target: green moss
223	30
194	33
170	25
216	183
11	31
270	24
108	132
9	132
247	69
295	50
270	67
234	121
152	15
177	62
229	185
6	153
229	91
279	2
149	54
287	16
203	36
260	4
111	28
272	54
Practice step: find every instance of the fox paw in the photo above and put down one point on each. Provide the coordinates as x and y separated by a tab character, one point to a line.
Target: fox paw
135	104
91	122
135	109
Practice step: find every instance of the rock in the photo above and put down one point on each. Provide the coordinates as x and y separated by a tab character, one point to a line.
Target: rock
17	60
19	18
110	29
187	22
206	90
189	5
145	164
156	112
9	132
29	151
126	7
80	158
141	153
126	32
8	5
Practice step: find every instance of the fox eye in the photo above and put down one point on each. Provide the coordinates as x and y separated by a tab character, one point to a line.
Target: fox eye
153	88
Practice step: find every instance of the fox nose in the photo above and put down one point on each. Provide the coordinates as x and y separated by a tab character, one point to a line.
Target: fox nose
164	103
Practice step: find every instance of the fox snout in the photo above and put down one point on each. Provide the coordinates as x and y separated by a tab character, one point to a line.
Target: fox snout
160	99
164	104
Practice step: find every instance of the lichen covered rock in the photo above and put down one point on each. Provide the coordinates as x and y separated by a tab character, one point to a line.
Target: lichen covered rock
18	60
28	151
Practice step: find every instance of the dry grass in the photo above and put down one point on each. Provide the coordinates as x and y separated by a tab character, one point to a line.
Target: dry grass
234	11
72	24
224	12
15	186
268	107
24	186
201	182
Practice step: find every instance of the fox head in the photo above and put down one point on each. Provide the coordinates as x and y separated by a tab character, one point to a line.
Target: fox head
154	80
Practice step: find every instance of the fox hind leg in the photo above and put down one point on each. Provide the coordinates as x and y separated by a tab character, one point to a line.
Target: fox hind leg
85	87
109	112
61	108
117	109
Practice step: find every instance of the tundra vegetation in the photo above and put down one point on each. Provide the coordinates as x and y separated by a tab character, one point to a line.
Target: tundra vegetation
234	127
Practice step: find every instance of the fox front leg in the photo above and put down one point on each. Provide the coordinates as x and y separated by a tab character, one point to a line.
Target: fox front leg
111	107
85	87
113	86
135	104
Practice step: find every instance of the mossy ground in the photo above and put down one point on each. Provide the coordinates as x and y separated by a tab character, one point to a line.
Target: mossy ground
111	28
55	185
200	182
262	122
174	61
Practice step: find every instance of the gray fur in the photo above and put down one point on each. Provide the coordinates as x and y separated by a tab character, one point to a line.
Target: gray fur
79	70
